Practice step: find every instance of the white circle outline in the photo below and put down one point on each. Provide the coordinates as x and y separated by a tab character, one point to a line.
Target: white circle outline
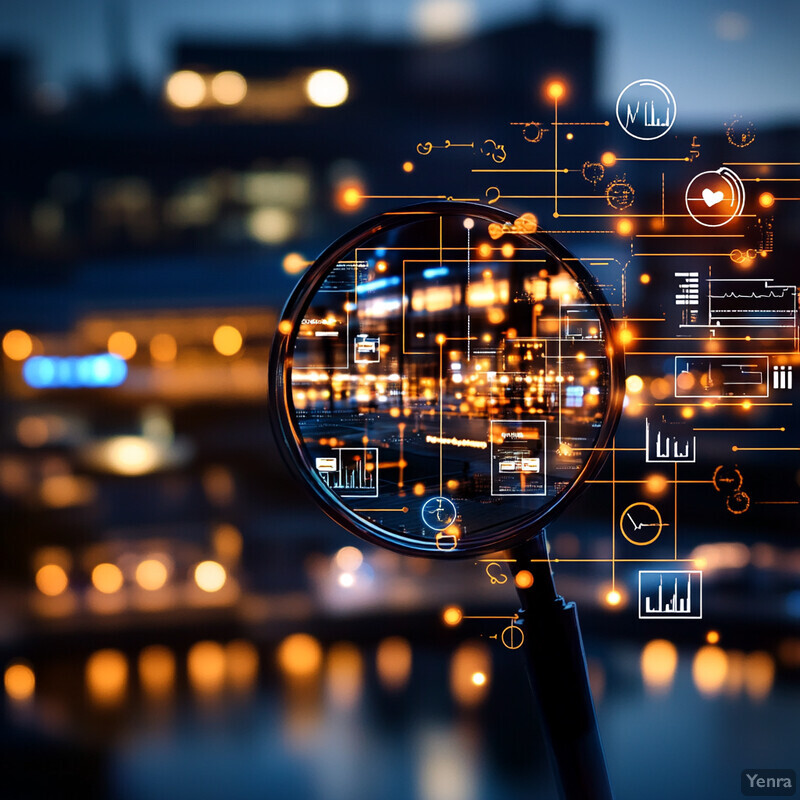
667	93
737	189
446	500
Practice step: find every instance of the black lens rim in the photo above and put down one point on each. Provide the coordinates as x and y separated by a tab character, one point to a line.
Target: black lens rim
281	406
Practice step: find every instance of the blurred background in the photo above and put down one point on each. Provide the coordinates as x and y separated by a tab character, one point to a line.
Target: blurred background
177	618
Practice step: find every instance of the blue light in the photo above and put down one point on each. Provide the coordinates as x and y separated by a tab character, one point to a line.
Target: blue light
376	286
73	372
435	272
380	252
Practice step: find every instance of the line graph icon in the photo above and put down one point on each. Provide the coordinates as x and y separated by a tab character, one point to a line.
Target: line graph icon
646	109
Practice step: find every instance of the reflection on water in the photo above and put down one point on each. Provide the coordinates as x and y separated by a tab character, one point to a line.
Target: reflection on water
393	719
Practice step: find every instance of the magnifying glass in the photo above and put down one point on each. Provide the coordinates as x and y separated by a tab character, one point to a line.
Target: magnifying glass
445	379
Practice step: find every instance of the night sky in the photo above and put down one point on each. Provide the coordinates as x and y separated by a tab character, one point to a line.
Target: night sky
719	57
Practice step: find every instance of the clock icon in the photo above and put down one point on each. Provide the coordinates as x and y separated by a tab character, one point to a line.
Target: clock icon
439	513
641	523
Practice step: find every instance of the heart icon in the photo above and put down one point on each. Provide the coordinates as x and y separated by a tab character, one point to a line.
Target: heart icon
712	198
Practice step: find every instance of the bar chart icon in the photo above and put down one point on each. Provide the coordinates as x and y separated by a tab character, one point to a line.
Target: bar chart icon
671	594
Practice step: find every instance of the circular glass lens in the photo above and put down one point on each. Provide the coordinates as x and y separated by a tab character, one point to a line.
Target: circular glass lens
447	377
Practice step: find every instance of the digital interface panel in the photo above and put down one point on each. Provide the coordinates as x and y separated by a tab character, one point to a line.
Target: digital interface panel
449	380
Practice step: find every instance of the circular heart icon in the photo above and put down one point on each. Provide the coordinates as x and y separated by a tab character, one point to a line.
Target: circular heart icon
715	198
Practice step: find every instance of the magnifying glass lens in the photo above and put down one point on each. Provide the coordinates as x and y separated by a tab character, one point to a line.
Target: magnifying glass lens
448	378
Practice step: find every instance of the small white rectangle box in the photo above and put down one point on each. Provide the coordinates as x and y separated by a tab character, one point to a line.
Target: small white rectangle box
519	424
681	615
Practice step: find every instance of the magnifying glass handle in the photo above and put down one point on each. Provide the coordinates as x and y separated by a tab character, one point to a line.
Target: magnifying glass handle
559	678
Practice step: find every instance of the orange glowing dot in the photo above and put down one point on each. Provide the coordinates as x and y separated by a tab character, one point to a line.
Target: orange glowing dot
570	136
608	159
766	199
351	196
300	655
712	637
613	598
381	266
163	347
625	336
687	412
441	338
285	327
151	574
419	489
52	580
656	484
19	681
507	250
624	227
210	576
484	250
122	344
17	345
747	405
294	263
452	615
634	384
107	578
408	166
644	278
700	563
227	340
555	90
524	579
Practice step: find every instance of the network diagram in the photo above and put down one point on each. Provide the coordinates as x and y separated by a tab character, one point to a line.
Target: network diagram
450	375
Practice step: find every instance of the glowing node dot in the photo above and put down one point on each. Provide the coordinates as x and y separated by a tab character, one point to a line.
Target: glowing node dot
570	136
766	199
479	678
555	90
524	579
469	223
452	615
712	637
644	278
624	227
608	159
408	166
613	598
